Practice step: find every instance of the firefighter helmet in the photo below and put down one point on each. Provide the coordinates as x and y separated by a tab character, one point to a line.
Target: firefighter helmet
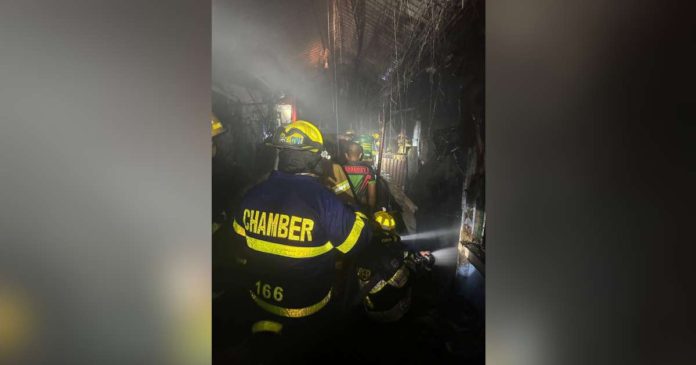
385	220
299	135
216	127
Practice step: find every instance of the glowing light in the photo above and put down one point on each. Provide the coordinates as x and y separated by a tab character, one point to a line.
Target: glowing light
285	112
17	320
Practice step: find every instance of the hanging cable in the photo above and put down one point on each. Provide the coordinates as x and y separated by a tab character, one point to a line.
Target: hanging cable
335	77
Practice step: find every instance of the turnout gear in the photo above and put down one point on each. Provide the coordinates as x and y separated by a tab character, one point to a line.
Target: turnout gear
385	272
299	135
335	179
383	277
292	229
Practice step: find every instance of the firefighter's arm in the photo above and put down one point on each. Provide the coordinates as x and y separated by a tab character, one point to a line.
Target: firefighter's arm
372	195
372	190
349	230
238	240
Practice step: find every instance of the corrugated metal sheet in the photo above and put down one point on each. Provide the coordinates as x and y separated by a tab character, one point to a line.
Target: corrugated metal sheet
395	169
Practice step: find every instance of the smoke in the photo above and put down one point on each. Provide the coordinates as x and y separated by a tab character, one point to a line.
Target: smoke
254	53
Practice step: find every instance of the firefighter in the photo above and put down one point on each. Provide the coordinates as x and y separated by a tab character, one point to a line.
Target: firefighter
216	129
336	179
386	271
333	176
292	229
365	141
361	176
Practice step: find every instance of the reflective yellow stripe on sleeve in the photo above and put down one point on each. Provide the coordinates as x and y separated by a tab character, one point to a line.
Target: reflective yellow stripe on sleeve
398	280
400	277
291	312
239	229
266	326
354	234
287	250
379	286
341	187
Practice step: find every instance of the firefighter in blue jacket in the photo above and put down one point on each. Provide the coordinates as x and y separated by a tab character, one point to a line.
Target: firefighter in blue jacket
291	229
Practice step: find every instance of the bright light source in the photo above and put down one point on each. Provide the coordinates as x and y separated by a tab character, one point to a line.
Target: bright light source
284	113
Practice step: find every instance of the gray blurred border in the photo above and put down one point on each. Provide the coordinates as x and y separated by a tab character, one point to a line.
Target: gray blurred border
590	171
105	182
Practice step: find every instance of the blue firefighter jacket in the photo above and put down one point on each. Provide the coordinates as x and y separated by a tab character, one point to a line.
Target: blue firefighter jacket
292	229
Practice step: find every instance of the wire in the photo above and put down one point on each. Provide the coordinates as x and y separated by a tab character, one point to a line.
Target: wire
335	78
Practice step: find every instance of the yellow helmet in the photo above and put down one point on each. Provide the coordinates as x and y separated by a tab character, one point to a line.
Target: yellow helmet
375	135
299	135
216	127
385	220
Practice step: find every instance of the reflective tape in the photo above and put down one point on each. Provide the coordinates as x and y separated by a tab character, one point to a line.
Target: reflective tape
239	229
369	303
354	234
303	251
379	286
400	277
291	312
266	326
287	250
341	187
398	280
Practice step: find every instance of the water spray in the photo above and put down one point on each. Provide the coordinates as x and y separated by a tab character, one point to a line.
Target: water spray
429	234
445	256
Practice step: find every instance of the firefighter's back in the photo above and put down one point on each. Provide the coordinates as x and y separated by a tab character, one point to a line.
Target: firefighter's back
293	228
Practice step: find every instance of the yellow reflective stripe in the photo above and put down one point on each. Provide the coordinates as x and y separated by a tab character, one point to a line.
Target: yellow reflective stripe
239	229
287	250
266	326
397	280
354	234
369	303
379	286
291	312
341	187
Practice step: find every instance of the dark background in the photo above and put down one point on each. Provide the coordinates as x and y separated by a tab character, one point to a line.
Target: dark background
105	181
